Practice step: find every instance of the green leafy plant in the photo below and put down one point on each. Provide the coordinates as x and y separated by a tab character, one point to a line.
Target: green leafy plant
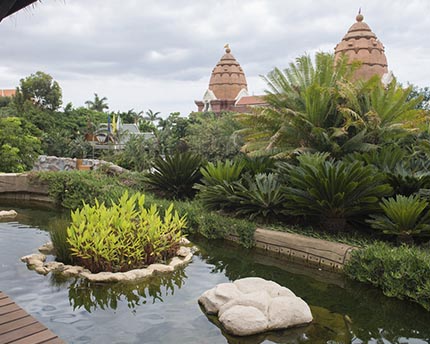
334	191
71	188
125	236
403	216
261	196
407	173
174	176
228	171
401	272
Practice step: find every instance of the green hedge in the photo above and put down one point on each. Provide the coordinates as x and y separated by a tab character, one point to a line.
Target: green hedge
70	189
402	272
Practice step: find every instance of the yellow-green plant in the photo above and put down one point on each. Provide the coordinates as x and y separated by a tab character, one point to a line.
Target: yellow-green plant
125	236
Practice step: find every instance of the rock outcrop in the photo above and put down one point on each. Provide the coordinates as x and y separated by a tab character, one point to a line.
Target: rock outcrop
254	305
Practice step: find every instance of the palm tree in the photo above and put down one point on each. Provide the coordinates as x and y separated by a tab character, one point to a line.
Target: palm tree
152	116
316	108
98	104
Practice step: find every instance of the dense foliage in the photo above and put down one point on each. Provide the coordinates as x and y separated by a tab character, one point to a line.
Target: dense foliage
19	144
403	216
317	108
402	272
125	236
175	176
334	191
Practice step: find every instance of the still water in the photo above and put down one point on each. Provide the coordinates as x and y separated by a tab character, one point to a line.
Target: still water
165	309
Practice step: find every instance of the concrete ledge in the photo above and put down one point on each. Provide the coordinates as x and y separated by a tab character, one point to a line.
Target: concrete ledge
322	253
19	186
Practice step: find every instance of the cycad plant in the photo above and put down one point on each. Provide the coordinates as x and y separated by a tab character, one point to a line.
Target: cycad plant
225	186
261	196
334	192
174	176
404	217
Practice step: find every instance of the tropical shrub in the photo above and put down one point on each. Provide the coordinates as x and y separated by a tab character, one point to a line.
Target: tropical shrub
261	196
258	164
212	136
19	144
403	216
401	272
174	176
124	236
216	226
334	192
70	189
317	107
406	173
228	171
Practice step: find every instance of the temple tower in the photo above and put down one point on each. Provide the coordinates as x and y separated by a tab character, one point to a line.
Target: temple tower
226	85
361	44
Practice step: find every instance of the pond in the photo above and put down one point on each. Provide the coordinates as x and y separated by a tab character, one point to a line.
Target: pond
164	309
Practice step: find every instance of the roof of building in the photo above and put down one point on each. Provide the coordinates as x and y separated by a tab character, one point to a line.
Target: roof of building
361	44
7	92
251	100
227	78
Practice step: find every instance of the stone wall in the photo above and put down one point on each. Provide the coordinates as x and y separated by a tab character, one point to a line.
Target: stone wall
53	163
321	253
19	186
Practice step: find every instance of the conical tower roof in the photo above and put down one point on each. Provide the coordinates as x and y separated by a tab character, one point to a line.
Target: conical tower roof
227	78
361	44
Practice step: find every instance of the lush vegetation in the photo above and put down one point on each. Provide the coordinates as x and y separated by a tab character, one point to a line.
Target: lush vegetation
125	236
401	272
327	153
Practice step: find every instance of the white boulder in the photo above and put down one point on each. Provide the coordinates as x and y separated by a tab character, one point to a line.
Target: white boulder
254	305
8	214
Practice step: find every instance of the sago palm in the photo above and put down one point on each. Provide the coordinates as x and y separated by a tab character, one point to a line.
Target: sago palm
403	216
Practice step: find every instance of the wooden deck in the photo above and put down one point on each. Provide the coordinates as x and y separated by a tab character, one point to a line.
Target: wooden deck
18	327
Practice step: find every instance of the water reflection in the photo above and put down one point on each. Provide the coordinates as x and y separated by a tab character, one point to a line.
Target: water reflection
372	317
92	296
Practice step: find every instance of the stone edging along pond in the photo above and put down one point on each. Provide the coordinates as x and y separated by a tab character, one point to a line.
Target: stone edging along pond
38	263
321	253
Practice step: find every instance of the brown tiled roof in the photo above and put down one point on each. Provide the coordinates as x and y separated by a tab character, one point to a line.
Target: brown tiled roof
7	93
251	100
227	78
361	44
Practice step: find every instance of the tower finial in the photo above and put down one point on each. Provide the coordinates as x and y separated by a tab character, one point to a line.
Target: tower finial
227	48
359	16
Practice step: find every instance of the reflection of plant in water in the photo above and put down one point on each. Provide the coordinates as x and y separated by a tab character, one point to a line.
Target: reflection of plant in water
91	296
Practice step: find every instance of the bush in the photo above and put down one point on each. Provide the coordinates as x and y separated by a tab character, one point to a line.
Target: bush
402	272
216	226
403	217
334	191
175	176
71	188
125	236
224	186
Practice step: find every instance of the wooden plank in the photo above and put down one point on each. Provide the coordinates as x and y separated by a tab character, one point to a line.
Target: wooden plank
18	327
16	324
8	309
37	338
54	341
12	316
23	332
5	301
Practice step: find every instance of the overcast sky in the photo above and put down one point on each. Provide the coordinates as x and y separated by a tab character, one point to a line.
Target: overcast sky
147	54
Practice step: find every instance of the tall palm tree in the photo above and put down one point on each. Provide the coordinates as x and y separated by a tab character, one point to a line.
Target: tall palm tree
98	104
152	116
